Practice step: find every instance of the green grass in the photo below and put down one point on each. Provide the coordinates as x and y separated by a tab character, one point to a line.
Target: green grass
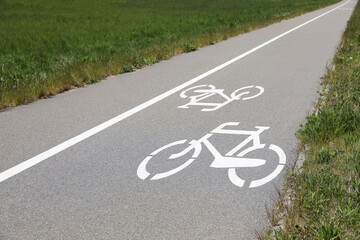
48	46
326	201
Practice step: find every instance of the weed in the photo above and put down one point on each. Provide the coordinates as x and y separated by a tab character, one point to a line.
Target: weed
328	231
127	68
330	122
326	156
150	60
189	47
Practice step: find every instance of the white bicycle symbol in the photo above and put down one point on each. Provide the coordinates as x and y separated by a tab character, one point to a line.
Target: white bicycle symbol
206	91
228	161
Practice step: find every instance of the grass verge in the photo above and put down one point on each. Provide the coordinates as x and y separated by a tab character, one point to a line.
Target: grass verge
325	193
49	46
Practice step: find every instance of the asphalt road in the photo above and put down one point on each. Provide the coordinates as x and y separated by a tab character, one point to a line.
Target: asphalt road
61	178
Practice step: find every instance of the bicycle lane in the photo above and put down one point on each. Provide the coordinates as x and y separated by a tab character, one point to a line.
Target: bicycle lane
92	189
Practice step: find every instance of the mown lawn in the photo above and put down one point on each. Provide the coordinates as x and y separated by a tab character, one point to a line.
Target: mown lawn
326	201
48	46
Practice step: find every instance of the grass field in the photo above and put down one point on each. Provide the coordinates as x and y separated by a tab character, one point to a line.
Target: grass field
326	201
48	46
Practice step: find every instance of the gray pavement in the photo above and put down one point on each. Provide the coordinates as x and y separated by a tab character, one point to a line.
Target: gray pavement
92	190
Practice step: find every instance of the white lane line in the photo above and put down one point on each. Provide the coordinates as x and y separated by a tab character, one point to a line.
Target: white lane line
61	147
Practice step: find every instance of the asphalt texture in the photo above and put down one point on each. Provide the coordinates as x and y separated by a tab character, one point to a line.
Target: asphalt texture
92	189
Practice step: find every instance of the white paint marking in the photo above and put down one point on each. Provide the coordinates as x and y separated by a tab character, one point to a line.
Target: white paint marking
171	172
61	147
268	178
234	178
221	161
143	173
208	91
259	182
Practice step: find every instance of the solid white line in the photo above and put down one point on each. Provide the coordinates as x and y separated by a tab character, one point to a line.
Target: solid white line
61	147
